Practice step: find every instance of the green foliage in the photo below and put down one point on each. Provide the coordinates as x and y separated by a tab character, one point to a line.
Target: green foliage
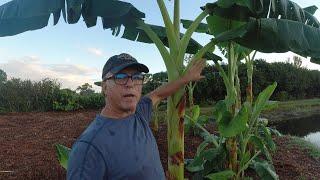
207	160
85	89
265	170
91	101
262	100
66	100
3	76
63	155
230	127
268	29
24	95
190	124
31	16
223	175
293	83
154	81
206	163
193	119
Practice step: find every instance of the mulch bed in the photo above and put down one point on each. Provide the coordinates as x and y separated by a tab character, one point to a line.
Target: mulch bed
27	146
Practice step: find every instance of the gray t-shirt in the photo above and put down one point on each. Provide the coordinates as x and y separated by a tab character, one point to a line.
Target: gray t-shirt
117	149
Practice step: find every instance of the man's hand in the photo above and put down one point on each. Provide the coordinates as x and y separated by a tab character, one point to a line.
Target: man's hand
193	74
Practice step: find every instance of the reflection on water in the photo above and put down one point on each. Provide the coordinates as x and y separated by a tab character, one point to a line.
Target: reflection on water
308	127
314	138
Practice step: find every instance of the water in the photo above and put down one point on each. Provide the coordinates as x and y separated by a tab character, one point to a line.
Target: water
307	127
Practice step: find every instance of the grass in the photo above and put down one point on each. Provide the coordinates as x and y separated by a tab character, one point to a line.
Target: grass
304	108
292	110
313	150
298	105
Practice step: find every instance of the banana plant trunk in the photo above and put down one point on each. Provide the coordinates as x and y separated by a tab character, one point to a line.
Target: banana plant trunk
175	134
173	59
231	143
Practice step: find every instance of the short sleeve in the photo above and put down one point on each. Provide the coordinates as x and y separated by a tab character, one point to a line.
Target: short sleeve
145	107
85	162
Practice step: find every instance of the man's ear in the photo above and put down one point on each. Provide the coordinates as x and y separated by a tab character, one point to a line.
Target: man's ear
104	88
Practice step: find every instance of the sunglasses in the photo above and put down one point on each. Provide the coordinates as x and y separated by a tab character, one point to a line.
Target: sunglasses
122	78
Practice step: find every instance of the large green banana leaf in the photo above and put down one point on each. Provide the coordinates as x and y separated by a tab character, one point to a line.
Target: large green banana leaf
18	16
246	9
271	26
276	35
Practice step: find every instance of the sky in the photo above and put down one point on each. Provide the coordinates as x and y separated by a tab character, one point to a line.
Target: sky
74	54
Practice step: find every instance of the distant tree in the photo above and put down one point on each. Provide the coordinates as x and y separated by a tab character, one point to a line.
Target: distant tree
85	89
297	61
3	76
154	81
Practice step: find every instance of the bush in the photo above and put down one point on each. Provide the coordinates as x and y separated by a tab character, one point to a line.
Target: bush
91	101
24	95
69	100
66	100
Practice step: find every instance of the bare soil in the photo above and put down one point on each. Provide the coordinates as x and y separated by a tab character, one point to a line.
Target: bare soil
27	146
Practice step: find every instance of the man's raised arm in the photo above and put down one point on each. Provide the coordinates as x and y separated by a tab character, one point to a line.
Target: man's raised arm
164	91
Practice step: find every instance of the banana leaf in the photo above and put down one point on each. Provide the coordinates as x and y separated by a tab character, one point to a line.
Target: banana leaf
244	10
271	26
18	16
276	35
202	28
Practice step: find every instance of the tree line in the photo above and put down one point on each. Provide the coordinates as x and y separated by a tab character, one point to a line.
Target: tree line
17	95
294	82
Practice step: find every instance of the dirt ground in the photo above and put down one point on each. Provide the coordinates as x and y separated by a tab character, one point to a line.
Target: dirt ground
27	146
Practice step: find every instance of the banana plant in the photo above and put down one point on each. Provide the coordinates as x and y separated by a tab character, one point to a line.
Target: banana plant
18	16
259	23
240	27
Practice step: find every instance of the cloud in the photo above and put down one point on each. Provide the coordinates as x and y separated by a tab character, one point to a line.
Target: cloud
95	51
69	75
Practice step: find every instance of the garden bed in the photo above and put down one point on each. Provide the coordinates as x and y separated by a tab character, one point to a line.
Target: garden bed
27	146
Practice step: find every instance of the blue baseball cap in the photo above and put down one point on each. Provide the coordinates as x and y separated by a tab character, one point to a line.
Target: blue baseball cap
118	62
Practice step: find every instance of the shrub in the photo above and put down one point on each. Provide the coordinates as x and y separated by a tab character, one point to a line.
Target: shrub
24	95
91	101
66	100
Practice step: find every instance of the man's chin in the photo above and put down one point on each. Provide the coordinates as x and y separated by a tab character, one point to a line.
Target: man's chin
130	108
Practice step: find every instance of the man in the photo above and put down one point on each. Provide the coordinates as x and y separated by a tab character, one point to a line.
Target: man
119	143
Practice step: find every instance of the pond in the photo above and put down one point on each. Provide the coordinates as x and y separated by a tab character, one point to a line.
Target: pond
307	127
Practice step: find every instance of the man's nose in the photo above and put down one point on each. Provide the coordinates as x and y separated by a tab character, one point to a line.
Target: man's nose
129	82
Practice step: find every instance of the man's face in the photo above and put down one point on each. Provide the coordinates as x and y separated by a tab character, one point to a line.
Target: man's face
123	97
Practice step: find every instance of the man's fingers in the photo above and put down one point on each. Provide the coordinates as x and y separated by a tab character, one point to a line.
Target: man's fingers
199	63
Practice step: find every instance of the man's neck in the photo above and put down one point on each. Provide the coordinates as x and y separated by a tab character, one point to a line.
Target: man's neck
109	112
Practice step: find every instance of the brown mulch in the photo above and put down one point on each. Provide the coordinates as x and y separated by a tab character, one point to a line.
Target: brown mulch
27	146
